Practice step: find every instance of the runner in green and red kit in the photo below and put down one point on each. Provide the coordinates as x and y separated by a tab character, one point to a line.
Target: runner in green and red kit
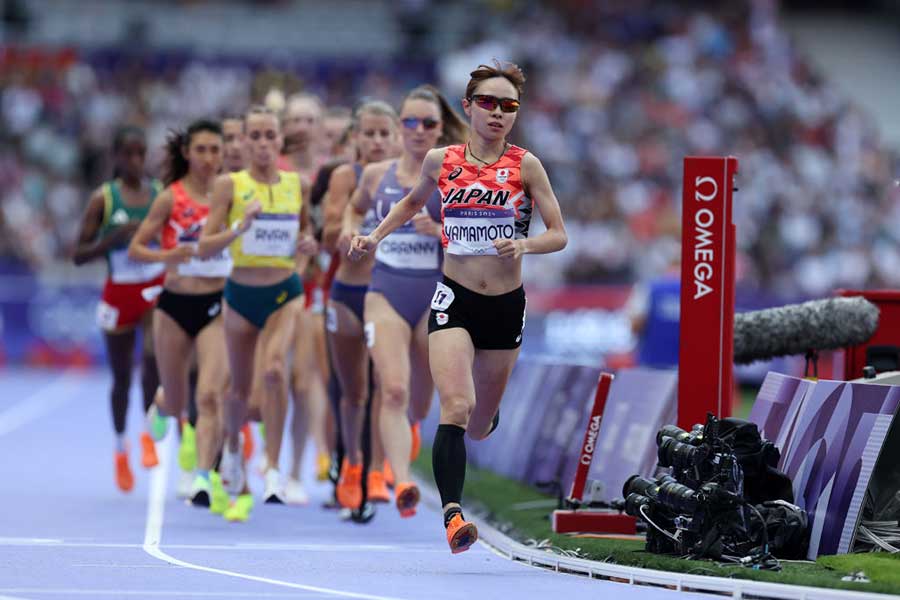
110	219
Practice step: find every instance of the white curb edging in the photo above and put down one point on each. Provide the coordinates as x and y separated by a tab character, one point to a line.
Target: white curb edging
736	588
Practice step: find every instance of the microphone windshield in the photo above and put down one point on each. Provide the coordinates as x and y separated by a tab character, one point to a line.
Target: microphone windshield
798	328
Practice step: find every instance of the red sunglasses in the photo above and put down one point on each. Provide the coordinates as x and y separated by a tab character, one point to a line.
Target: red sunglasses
488	102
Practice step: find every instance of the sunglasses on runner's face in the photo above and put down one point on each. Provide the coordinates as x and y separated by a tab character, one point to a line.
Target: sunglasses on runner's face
413	122
487	102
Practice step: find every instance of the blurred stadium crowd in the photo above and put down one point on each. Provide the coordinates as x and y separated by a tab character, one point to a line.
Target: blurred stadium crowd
618	94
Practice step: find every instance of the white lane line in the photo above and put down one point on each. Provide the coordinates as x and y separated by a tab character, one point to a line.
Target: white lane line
42	401
156	501
153	535
161	593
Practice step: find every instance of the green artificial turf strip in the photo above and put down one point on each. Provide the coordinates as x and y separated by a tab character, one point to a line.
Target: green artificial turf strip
747	395
878	566
494	496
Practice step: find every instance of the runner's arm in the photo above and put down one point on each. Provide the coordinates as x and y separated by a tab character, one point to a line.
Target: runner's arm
216	235
88	247
337	197
306	240
415	200
538	187
139	250
360	201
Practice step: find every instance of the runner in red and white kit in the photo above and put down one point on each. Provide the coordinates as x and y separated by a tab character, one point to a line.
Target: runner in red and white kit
489	188
188	313
112	216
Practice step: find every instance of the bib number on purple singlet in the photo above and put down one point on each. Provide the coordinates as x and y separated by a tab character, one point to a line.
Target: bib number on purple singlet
402	250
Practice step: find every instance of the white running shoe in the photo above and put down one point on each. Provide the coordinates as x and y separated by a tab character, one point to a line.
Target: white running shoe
185	483
274	491
294	492
232	470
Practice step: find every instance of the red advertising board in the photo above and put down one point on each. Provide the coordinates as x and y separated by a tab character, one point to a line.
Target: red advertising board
707	290
590	436
887	336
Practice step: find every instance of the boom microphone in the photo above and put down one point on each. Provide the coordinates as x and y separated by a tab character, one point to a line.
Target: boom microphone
798	328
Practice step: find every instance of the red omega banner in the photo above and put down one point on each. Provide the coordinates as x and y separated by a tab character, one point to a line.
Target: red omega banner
707	290
590	436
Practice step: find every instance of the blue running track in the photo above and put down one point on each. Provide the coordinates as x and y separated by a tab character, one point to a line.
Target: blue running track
67	532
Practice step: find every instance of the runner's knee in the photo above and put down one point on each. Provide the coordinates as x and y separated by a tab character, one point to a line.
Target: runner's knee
275	373
207	401
395	395
354	398
457	409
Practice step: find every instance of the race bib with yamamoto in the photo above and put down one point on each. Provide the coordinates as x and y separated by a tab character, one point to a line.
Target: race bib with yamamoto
472	231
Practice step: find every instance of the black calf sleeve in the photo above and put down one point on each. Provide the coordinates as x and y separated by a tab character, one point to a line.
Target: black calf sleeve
448	460
192	397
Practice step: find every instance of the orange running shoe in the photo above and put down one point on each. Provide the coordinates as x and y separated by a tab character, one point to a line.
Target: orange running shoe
378	491
148	451
124	477
349	487
461	534
388	474
416	430
248	441
407	499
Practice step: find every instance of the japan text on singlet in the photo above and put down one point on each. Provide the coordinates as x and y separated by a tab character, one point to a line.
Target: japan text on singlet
186	221
271	240
482	204
405	249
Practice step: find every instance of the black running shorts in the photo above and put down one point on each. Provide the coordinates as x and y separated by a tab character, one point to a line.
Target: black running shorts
192	312
493	322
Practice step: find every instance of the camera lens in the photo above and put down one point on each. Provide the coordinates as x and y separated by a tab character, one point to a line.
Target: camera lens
639	485
633	504
679	498
673	453
665	479
671	431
